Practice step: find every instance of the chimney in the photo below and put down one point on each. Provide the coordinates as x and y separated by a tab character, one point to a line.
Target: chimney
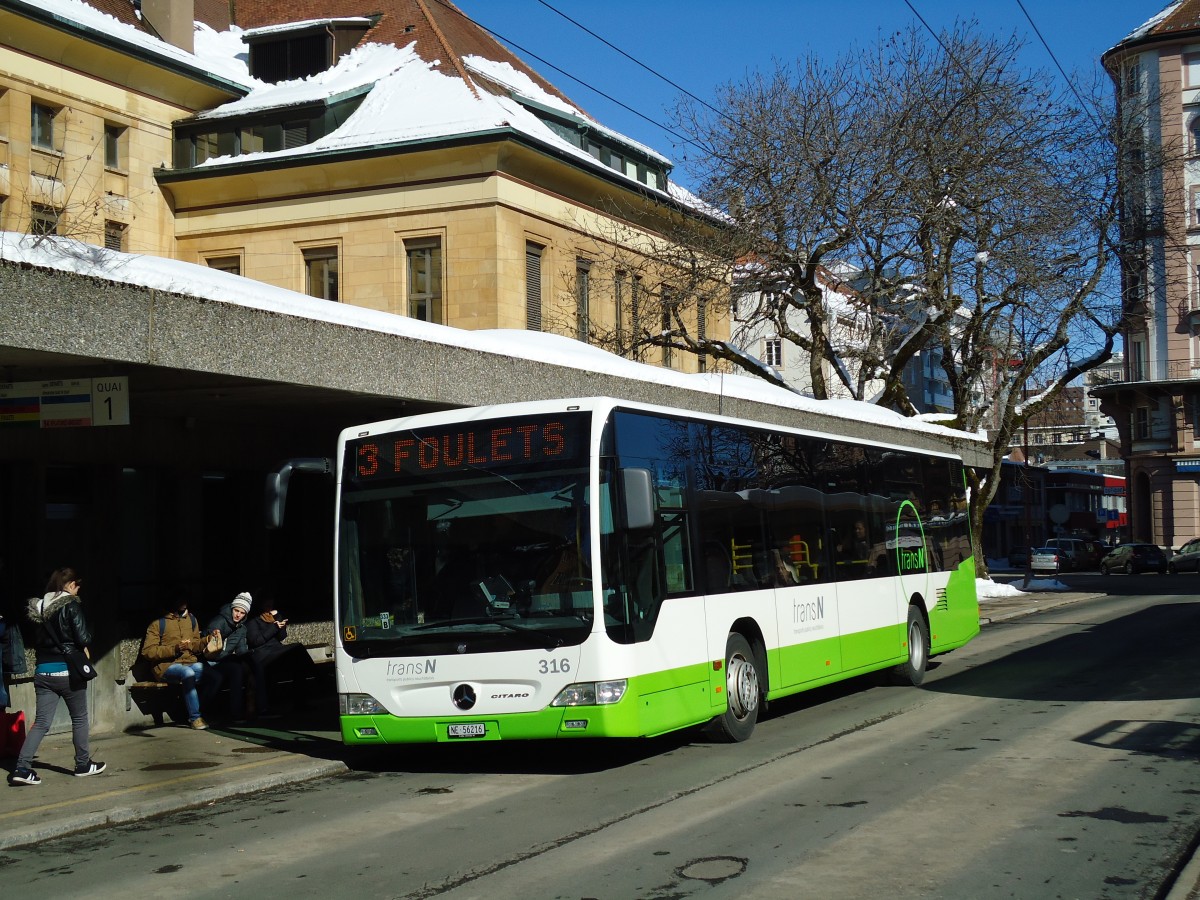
172	20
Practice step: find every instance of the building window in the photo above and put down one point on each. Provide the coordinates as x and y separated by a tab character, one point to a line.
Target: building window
43	219
276	58
1141	422
41	125
1131	78
620	292
204	146
583	289
1191	70
253	139
321	272
635	310
114	235
230	264
702	331
114	138
773	352
667	358
295	134
533	285
1137	359
424	259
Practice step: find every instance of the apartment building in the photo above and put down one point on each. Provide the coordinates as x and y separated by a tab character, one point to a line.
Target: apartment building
1156	403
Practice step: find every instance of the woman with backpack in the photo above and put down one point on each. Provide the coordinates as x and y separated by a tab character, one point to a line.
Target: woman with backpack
175	646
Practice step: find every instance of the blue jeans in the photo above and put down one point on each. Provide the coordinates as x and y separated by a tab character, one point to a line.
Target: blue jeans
187	676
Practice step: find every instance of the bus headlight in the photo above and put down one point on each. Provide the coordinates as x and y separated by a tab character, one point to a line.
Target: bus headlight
359	705
591	693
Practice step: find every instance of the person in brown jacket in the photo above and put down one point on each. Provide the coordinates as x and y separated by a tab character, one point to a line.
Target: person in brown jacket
175	645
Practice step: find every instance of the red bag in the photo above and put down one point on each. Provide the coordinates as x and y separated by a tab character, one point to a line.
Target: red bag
12	734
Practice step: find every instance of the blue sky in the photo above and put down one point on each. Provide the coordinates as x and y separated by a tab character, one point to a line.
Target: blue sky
702	43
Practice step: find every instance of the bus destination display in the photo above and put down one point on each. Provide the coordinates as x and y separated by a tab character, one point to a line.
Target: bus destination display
489	445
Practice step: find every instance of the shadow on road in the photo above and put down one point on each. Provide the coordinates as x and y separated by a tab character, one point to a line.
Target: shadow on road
1147	655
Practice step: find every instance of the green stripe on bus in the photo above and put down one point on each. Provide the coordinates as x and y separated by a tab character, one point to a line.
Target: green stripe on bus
653	704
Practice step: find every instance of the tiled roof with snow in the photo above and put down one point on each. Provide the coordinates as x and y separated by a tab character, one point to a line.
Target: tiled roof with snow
213	55
419	86
1177	17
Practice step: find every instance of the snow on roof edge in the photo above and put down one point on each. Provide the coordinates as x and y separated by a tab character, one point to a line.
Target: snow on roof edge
87	18
189	279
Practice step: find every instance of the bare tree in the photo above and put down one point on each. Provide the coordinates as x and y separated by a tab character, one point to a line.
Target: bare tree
963	205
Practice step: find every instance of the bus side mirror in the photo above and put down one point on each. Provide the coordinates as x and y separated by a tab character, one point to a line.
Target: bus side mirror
638	489
277	486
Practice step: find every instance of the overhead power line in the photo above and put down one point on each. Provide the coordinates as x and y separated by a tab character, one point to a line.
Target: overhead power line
567	74
1067	78
633	59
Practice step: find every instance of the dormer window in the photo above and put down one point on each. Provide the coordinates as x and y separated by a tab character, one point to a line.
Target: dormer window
605	147
267	131
298	50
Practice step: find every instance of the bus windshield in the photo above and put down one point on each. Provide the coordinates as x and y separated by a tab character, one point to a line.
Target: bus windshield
472	560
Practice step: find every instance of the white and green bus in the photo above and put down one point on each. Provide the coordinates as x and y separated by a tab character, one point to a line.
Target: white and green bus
599	568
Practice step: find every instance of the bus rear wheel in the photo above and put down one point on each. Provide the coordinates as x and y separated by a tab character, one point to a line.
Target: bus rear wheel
743	691
912	670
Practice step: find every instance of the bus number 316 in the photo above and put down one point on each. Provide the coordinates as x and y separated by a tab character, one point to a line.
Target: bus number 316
554	666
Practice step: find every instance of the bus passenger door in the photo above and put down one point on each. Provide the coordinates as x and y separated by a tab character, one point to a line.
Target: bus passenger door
868	598
806	601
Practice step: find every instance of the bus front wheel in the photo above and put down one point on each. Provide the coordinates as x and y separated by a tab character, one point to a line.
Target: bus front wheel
743	691
912	670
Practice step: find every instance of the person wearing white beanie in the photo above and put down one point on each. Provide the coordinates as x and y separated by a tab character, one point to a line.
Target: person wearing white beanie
230	666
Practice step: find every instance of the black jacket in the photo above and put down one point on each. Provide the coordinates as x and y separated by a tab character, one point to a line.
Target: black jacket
261	632
65	614
234	633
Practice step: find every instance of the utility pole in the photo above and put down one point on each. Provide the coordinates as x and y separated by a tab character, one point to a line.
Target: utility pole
1026	491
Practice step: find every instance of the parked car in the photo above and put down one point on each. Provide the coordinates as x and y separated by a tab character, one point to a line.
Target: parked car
1186	558
1018	558
1133	559
1045	560
1077	553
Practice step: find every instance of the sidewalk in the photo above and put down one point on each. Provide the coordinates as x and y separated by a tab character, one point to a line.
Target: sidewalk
158	770
163	769
997	609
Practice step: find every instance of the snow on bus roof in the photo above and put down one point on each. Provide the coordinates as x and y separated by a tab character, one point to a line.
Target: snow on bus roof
174	276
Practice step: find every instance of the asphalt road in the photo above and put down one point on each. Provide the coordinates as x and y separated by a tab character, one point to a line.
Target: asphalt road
1055	756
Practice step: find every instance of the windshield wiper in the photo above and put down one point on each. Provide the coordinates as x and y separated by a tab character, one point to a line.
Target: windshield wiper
550	641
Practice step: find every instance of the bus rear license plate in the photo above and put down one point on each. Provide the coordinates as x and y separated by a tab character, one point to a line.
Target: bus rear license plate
467	730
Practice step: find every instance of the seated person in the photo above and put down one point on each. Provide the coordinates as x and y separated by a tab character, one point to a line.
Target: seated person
785	572
265	634
234	661
855	546
175	646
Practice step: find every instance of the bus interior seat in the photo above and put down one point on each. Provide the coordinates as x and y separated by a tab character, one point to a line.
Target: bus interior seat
718	568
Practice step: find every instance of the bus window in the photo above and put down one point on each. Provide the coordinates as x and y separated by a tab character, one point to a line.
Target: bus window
734	545
642	567
796	522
